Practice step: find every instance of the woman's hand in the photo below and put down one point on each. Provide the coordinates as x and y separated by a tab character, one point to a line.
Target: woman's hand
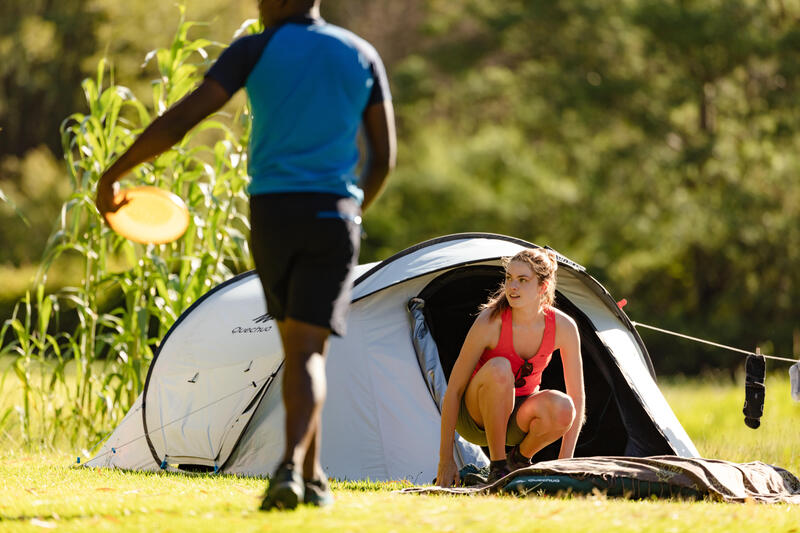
447	475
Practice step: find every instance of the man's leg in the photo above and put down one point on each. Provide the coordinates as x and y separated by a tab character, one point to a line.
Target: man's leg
311	340
304	387
312	468
305	347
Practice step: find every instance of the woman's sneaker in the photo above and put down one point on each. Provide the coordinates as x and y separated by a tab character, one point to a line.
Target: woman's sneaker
515	460
497	473
286	489
318	493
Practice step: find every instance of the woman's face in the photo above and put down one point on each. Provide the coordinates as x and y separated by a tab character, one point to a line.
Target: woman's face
522	285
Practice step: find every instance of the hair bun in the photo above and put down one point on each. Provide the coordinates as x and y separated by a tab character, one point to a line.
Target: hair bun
553	257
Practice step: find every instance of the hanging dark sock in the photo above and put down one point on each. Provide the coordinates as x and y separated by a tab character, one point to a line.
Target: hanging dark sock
754	390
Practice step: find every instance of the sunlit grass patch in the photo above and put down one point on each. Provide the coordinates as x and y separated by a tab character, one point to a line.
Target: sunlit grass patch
41	491
47	490
711	412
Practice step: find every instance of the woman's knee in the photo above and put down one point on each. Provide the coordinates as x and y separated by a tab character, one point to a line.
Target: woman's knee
497	373
562	411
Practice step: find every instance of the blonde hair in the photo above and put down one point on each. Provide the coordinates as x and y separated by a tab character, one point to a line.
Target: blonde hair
542	263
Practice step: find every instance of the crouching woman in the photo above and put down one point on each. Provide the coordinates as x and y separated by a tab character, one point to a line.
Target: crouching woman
493	397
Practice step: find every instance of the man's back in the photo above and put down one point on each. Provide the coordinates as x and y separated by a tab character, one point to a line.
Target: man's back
309	83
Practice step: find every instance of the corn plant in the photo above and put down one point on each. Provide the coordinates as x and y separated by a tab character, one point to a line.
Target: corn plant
90	373
4	198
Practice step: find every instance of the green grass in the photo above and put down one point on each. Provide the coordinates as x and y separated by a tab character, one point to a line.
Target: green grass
711	412
40	491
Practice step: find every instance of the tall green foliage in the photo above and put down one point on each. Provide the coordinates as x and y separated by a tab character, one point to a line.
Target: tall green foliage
130	294
42	43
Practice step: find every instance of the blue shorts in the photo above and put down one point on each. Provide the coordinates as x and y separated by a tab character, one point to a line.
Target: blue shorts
305	246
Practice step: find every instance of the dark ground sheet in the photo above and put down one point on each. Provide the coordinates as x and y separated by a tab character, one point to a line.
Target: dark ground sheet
641	477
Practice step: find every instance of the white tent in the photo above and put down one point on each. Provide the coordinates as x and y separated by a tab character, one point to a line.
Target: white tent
212	399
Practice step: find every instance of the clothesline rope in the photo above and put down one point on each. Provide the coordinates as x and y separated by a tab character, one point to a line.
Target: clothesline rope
718	345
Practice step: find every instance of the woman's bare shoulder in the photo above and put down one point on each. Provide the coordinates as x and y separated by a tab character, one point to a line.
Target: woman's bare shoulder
564	323
562	317
487	326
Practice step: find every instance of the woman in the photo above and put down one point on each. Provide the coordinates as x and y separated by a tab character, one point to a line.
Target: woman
493	397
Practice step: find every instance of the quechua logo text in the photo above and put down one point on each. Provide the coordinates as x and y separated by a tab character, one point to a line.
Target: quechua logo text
262	326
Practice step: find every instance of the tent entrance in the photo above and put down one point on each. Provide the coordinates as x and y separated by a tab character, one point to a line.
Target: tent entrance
616	422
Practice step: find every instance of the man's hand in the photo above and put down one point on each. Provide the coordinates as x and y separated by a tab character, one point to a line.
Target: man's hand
107	190
158	137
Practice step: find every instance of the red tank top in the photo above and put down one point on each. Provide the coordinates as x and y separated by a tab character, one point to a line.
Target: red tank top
505	348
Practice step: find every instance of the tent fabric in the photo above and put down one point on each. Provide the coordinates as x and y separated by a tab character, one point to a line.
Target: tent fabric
431	368
126	447
641	477
212	398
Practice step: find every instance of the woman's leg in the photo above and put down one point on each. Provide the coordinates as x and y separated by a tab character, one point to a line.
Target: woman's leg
490	400
544	417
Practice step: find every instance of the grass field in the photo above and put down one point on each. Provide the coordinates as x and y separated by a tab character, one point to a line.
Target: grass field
42	491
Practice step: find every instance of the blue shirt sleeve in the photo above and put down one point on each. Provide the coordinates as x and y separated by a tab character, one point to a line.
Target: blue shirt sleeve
234	65
380	87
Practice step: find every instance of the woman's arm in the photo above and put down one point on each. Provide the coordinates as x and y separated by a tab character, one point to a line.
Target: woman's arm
481	334
570	345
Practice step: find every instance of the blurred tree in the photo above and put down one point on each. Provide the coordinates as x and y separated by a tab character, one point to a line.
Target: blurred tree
43	44
651	141
36	188
391	26
132	29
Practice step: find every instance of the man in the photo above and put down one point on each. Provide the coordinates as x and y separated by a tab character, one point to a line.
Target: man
311	86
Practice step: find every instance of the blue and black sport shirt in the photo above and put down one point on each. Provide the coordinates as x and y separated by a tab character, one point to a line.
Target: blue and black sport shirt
309	83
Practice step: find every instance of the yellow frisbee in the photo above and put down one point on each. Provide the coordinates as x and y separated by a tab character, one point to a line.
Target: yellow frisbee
149	215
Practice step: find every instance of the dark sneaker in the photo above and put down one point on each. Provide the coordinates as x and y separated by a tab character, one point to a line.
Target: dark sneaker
471	479
515	460
318	493
497	473
286	489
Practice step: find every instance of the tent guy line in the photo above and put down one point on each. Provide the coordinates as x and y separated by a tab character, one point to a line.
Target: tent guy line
695	339
253	383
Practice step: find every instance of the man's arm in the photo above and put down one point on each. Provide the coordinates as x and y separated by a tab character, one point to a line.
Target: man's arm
159	136
381	149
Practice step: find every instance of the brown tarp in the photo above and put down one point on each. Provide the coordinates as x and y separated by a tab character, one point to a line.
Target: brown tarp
705	478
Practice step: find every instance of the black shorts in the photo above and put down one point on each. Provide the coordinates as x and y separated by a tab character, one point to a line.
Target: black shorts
305	246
